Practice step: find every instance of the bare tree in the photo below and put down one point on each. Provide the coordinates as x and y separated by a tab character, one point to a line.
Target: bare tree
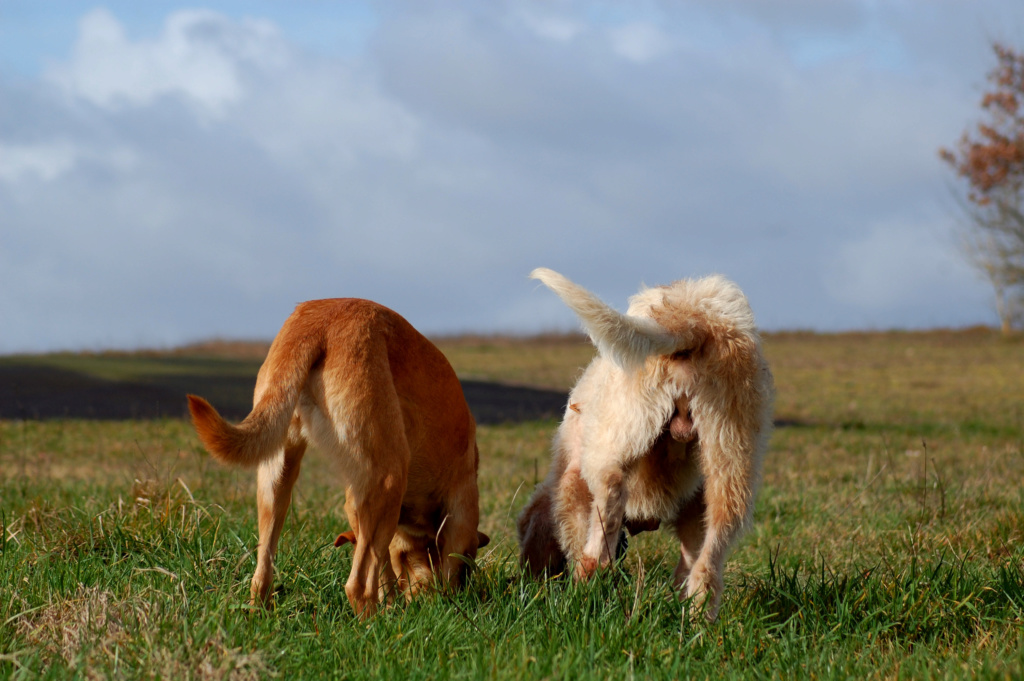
991	161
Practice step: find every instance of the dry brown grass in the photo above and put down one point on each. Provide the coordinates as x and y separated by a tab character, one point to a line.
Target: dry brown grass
899	378
551	361
92	628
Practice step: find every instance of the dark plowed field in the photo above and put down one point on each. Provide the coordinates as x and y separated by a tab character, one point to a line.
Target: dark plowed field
32	390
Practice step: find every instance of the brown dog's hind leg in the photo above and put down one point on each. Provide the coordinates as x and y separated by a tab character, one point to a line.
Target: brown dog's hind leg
374	505
372	577
274	482
458	535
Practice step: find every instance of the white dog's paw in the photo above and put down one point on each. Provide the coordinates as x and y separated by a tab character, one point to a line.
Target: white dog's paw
704	587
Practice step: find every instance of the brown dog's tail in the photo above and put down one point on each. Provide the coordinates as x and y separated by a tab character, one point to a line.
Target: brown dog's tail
263	431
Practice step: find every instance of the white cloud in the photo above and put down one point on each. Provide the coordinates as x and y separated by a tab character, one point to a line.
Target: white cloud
45	161
639	41
48	161
198	57
322	119
560	29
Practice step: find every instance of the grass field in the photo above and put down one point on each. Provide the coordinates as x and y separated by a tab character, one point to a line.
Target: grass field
888	542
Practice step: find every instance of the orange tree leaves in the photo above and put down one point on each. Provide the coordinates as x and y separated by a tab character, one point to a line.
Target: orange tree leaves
992	160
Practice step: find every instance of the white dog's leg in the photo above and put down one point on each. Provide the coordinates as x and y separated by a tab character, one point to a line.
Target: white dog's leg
689	529
606	514
571	510
728	496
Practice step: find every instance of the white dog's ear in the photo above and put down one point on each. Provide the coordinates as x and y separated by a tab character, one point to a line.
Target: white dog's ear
625	339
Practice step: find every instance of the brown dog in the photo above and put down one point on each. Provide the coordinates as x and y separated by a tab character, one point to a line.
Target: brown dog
668	425
359	382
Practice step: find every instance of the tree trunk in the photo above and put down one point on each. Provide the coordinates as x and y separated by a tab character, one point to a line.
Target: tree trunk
1003	308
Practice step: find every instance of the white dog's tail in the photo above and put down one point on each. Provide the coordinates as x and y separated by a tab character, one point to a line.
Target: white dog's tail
626	339
263	432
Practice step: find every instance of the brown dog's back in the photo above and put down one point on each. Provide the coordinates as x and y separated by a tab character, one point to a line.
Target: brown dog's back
354	347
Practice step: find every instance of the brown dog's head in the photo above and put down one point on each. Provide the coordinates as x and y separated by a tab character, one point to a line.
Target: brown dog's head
415	559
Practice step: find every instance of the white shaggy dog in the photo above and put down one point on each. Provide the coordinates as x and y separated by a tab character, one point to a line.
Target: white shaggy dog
668	424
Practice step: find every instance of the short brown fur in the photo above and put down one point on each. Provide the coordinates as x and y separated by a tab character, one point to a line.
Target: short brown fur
359	382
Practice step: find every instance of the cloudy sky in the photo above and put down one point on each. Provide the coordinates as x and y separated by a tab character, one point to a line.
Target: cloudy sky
170	173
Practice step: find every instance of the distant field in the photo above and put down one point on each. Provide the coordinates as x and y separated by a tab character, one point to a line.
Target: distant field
888	540
151	384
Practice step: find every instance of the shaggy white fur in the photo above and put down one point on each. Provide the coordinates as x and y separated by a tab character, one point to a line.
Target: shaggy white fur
669	424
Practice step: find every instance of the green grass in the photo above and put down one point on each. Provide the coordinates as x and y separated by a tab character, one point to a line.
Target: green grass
888	542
